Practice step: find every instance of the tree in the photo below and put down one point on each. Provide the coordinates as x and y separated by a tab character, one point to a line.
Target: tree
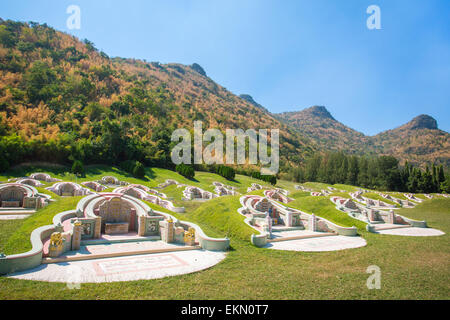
139	170
426	182
40	82
4	165
445	185
389	174
226	172
185	170
441	176
77	167
353	170
413	181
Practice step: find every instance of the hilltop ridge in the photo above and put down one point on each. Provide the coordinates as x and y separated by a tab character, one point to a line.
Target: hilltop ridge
419	141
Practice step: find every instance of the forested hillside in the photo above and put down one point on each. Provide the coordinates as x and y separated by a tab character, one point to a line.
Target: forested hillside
61	99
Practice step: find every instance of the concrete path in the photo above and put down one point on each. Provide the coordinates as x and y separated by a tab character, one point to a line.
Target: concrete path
331	243
13	216
139	267
282	234
412	231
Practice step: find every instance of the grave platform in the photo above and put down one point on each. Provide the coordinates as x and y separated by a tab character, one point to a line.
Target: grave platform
317	243
16	211
411	232
388	226
97	251
133	267
119	238
13	216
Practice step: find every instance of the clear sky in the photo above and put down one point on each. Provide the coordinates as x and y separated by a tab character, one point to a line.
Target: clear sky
288	55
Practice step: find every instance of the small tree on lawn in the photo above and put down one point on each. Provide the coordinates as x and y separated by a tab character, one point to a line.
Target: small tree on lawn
77	167
139	170
185	170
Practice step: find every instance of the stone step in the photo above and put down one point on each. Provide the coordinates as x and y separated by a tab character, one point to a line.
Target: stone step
391	226
279	229
81	257
306	236
15	211
120	240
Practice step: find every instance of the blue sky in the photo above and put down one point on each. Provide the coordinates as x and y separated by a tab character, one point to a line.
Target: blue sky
288	55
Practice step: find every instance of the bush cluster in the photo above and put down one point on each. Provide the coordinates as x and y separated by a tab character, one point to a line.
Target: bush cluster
226	172
185	170
135	168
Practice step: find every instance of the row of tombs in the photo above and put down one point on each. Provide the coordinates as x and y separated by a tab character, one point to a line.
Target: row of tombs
271	219
100	218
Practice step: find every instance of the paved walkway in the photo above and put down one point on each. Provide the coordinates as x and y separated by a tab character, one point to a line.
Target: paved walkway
138	267
282	234
331	243
412	231
13	216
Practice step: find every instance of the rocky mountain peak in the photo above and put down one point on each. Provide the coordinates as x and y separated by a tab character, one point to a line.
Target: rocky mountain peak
319	111
422	121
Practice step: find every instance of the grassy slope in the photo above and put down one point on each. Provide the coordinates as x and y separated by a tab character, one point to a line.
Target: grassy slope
323	207
19	241
376	196
412	267
221	214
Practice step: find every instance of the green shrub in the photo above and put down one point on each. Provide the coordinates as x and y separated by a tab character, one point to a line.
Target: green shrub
226	172
128	166
185	170
4	165
77	167
267	178
139	170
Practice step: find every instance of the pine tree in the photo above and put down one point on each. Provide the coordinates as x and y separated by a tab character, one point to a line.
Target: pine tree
353	170
441	177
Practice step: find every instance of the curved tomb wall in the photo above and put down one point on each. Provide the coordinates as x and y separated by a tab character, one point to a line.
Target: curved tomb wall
260	211
68	189
97	187
15	195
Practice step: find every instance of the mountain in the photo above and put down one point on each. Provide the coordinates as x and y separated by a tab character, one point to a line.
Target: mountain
61	98
419	141
250	100
318	124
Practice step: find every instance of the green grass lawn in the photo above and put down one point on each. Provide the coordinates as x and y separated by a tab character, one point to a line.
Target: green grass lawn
323	207
19	240
398	195
411	267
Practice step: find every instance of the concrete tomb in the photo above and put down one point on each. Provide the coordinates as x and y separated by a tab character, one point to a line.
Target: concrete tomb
195	193
278	195
69	189
112	181
144	193
275	222
97	187
224	190
43	177
30	182
105	225
377	219
254	186
15	195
